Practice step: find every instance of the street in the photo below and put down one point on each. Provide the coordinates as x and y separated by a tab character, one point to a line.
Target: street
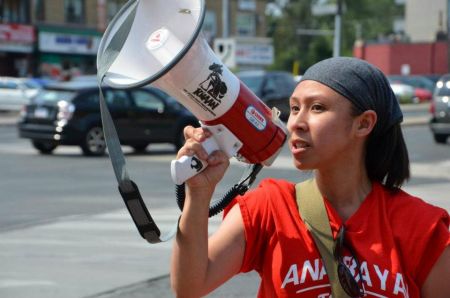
65	231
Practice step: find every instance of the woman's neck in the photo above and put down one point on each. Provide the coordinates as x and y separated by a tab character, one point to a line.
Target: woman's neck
344	188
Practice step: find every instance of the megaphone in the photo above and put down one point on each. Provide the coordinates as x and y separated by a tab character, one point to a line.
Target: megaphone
164	46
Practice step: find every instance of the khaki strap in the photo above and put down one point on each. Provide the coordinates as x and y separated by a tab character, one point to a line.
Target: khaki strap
313	212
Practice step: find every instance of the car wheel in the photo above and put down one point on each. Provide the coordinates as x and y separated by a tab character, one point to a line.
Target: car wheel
139	147
44	147
94	142
440	138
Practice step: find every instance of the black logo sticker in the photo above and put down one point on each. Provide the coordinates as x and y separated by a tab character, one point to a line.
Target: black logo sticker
196	164
211	91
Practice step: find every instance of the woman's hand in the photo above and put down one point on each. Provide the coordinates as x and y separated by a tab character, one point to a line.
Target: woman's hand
217	161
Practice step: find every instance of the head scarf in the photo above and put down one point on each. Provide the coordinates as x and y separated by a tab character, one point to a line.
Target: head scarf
363	84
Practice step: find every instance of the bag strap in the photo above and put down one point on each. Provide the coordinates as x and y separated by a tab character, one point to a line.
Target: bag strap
312	210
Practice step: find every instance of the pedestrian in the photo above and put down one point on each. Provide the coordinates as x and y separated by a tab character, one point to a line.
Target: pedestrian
344	127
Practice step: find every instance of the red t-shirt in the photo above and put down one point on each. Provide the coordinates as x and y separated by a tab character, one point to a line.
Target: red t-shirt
396	237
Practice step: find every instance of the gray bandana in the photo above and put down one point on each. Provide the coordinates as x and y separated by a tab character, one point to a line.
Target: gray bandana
361	83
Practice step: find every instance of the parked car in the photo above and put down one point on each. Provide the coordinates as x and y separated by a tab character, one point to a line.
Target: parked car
68	114
16	92
274	88
440	110
423	86
404	93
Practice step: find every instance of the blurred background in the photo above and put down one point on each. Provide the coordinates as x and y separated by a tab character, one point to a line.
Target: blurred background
55	39
64	230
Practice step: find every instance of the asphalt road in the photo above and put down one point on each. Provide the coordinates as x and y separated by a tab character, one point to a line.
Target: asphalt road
64	231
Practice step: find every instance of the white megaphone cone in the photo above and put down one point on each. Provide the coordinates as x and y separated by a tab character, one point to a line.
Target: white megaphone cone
163	47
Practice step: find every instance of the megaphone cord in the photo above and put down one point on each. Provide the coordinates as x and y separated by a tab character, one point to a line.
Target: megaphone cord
237	189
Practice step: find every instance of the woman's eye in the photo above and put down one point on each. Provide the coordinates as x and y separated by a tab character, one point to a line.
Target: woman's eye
317	108
294	108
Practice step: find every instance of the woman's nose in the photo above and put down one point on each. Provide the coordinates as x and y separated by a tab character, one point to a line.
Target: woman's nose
297	121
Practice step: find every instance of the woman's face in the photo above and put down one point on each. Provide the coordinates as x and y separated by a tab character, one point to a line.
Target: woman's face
321	127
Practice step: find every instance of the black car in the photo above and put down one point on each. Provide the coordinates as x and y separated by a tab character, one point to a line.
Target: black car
440	109
274	88
68	114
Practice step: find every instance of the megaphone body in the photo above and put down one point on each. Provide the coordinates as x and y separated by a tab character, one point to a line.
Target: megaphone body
164	47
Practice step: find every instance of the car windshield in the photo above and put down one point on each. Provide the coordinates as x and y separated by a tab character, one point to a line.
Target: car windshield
252	82
8	85
443	92
54	96
31	84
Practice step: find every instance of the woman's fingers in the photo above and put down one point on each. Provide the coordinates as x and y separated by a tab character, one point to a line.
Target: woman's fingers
217	157
194	137
197	133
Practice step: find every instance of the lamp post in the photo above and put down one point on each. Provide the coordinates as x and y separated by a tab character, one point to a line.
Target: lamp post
448	35
225	18
338	29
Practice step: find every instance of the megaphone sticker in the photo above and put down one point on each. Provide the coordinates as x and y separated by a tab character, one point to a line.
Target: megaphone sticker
212	89
255	118
157	39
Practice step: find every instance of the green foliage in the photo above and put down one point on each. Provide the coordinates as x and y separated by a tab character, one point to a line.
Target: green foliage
373	18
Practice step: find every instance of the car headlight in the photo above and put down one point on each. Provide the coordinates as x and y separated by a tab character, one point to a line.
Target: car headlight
65	110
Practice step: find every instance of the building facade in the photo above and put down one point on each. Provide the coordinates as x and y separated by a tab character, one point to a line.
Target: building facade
239	26
52	38
426	21
56	38
425	48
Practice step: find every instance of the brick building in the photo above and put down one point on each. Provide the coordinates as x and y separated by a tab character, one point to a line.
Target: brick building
49	37
425	50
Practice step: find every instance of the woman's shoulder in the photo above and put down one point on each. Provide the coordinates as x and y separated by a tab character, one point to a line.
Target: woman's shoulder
273	189
404	202
407	208
269	193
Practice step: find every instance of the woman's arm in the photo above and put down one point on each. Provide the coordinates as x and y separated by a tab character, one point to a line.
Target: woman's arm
199	264
437	284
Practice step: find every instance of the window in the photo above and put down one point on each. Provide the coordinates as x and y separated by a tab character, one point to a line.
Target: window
8	85
91	99
117	98
39	10
246	24
14	11
148	101
74	11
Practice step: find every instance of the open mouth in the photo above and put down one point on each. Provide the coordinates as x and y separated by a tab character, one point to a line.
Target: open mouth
300	144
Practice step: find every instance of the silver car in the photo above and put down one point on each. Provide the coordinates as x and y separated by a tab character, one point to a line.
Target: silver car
16	92
440	109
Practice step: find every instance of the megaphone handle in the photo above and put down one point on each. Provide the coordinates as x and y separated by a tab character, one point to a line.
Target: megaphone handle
188	166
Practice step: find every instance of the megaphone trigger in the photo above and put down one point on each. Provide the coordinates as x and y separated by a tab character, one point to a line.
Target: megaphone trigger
188	166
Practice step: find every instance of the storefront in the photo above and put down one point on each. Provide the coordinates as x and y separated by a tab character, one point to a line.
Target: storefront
65	52
16	49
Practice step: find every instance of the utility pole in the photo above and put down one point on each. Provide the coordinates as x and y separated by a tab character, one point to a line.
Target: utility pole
338	30
225	18
448	35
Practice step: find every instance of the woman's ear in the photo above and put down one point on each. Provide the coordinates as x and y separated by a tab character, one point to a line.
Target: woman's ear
365	123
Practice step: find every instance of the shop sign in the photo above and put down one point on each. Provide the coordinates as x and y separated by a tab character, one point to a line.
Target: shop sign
68	43
255	54
16	33
16	38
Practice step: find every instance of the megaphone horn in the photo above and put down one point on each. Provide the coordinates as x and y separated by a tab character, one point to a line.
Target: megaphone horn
164	47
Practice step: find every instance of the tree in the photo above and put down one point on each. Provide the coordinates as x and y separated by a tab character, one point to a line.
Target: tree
373	18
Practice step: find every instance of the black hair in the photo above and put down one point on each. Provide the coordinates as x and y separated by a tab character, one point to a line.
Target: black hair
387	158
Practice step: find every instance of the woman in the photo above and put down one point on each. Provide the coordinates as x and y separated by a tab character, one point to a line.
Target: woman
344	125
